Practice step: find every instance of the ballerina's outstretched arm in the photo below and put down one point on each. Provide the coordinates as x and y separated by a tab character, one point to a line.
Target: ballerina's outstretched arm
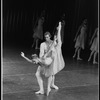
36	60
23	55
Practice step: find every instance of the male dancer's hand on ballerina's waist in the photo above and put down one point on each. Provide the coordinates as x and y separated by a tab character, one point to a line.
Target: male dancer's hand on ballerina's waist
35	58
35	61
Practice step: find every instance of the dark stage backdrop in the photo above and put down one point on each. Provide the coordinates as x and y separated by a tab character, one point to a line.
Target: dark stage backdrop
19	17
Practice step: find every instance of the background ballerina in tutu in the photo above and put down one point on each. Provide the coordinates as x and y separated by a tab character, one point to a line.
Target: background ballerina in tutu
38	32
80	39
94	46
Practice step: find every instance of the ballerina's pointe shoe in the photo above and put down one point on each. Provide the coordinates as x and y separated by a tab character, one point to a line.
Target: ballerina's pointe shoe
39	92
48	91
55	87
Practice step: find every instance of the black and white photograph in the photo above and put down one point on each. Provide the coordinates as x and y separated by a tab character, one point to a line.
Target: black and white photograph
49	50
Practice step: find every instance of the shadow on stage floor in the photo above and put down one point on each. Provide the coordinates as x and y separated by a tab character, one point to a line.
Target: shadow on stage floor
77	81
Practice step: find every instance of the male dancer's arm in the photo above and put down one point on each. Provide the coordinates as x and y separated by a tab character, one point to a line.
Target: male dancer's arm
41	54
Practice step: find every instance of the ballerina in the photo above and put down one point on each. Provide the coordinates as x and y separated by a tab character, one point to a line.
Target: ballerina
80	39
38	32
94	46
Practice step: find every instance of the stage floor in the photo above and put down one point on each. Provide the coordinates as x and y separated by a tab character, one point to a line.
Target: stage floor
79	80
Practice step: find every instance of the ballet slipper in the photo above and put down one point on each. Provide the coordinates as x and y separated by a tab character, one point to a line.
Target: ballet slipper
55	87
39	92
94	62
79	59
74	56
36	48
48	91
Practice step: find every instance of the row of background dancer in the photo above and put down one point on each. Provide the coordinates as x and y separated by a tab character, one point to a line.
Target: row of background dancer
94	46
80	42
80	39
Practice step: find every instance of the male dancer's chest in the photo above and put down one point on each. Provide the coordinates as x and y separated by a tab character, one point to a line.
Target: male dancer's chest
47	46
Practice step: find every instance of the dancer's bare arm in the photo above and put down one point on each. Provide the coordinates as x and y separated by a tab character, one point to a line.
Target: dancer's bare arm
41	51
35	60
23	55
95	32
77	33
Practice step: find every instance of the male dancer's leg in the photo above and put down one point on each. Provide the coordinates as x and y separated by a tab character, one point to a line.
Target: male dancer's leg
40	81
49	84
52	83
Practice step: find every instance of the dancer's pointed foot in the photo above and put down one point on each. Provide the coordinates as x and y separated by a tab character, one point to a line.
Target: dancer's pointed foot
55	87
73	56
94	62
39	92
36	48
79	59
48	91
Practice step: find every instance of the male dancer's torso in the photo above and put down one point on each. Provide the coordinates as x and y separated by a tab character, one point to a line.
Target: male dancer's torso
48	44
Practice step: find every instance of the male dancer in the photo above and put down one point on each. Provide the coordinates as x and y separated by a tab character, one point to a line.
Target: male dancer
44	48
